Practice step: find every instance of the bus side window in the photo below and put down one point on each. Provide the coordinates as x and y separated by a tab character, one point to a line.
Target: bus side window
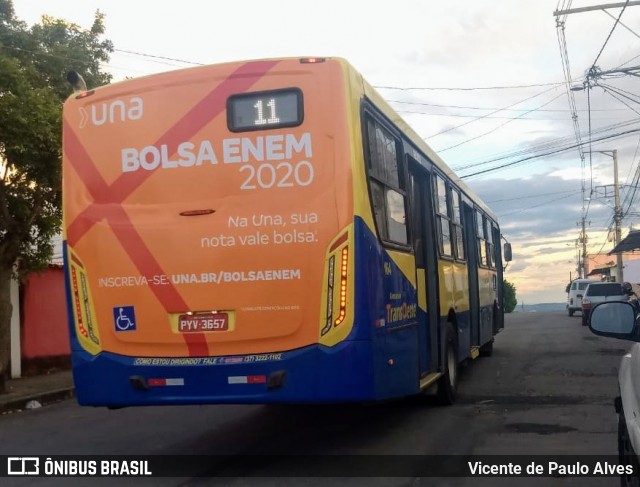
387	185
442	217
482	238
491	256
456	224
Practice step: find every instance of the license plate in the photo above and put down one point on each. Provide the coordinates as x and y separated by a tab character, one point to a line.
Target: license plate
203	322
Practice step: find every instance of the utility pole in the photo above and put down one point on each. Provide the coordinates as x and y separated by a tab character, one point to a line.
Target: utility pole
617	210
617	215
593	74
583	241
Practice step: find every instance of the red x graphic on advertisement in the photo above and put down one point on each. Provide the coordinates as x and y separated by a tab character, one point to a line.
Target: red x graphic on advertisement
113	195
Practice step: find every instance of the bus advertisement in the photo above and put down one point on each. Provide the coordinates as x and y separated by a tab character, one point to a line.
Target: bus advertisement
267	232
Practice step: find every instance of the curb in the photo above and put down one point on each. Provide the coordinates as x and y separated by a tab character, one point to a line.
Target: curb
43	398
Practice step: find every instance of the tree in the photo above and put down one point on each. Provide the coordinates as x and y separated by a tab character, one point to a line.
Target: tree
509	293
33	64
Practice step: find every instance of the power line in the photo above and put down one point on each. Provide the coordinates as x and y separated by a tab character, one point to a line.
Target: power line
536	156
622	93
538	205
564	55
153	56
461	115
499	126
492	113
593	71
623	25
610	90
531	196
627	62
67	58
495	108
550	145
609	228
593	65
53	56
634	97
631	194
450	88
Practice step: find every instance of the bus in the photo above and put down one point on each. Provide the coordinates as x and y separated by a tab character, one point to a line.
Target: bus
267	232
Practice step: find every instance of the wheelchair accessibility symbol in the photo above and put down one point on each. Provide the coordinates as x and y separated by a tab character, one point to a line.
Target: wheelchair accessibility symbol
124	317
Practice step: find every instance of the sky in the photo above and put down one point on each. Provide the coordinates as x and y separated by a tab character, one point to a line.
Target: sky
483	82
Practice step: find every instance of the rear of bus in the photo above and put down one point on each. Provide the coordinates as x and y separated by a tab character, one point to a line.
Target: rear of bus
208	220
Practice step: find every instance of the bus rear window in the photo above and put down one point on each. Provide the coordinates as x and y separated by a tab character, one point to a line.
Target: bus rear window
265	110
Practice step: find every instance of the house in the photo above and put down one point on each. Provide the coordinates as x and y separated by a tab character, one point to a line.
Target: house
603	266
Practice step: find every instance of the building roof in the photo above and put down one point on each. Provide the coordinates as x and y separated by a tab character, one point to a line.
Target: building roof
606	271
629	243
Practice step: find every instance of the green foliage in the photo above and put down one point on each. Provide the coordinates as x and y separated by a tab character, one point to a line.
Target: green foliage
509	293
33	66
568	288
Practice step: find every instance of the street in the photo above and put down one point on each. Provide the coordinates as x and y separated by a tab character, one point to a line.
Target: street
548	389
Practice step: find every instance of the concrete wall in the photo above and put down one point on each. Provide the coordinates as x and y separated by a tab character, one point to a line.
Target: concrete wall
631	271
44	316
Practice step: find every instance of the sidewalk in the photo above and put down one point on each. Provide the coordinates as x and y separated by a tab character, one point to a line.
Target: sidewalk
43	388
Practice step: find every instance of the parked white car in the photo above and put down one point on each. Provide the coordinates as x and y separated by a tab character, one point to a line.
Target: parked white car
576	291
620	320
599	292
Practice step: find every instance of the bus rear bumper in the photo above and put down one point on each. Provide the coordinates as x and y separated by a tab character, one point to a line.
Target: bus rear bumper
314	374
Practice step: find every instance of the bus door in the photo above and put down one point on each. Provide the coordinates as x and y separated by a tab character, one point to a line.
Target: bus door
470	229
424	245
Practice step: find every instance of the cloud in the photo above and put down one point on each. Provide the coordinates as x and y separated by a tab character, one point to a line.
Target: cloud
541	216
546	205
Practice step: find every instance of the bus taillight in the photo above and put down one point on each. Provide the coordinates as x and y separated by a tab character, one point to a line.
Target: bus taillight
76	296
312	60
85	94
82	314
329	322
344	267
337	277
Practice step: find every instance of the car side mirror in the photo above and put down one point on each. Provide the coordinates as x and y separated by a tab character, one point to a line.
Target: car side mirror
615	319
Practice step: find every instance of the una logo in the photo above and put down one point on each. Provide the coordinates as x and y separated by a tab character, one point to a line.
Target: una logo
115	111
124	318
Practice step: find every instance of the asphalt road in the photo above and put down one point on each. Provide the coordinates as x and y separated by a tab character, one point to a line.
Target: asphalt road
548	389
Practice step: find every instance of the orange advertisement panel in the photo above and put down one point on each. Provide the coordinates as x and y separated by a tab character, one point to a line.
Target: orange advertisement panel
199	240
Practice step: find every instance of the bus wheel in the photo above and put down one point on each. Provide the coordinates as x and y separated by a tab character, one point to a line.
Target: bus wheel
448	383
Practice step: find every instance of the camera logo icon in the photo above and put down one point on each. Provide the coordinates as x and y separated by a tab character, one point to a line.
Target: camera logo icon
23	466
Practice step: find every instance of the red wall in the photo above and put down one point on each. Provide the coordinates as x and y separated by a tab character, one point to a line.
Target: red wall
44	315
